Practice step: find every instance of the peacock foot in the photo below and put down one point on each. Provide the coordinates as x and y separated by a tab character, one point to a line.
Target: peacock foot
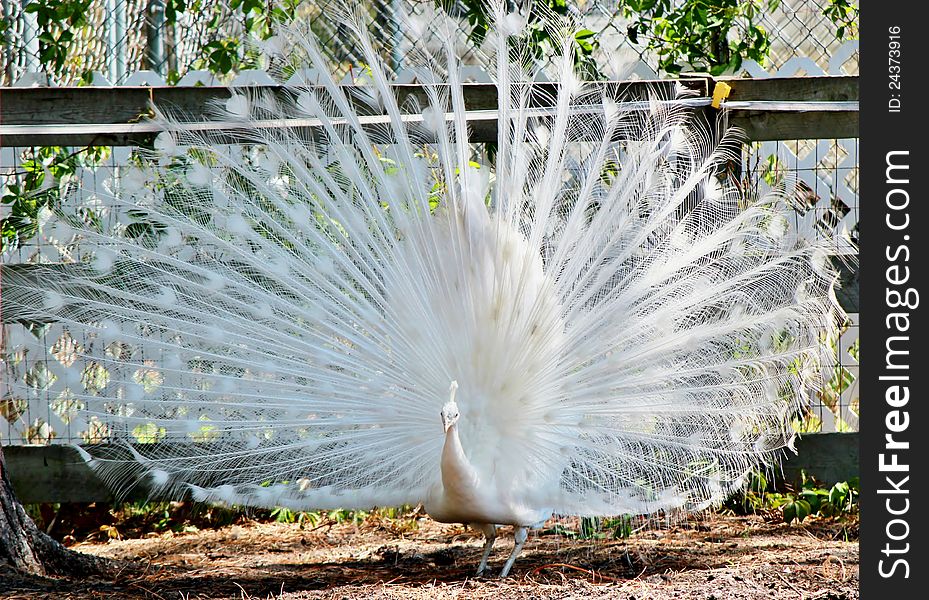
490	534
519	537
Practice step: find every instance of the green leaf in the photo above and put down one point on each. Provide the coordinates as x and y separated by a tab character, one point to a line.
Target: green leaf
803	510
735	62
585	40
701	16
814	498
839	494
62	11
790	512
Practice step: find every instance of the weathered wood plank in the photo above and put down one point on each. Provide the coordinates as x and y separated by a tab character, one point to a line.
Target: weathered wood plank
58	474
111	105
114	115
811	89
794	125
760	126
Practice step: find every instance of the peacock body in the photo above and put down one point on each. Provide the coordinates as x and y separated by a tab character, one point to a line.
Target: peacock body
595	322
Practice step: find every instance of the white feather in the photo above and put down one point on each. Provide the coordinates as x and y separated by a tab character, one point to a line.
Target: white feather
596	301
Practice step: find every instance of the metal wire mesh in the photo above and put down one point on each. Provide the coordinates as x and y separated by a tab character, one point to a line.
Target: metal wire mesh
121	37
827	201
826	205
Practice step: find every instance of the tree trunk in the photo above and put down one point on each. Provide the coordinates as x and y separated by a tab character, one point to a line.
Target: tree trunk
27	549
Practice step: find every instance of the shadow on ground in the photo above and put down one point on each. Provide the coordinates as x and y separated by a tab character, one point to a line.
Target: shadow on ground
703	557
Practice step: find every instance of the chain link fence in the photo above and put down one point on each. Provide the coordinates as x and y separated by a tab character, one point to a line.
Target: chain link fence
122	37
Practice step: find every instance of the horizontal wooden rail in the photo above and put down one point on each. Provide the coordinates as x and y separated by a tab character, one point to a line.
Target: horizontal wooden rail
764	125
57	473
116	115
80	116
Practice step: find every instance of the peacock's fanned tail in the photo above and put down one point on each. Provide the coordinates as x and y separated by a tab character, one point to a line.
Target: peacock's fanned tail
277	323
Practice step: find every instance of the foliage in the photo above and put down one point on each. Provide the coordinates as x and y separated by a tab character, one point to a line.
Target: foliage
715	35
71	522
286	515
57	21
606	528
34	193
840	499
704	35
811	499
598	528
259	19
845	16
539	40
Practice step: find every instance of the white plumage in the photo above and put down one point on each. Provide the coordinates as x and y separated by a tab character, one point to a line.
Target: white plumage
627	333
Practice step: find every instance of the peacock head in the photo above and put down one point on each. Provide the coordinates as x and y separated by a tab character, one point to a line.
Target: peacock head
450	412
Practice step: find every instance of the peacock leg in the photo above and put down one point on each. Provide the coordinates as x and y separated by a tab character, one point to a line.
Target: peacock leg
490	534
519	537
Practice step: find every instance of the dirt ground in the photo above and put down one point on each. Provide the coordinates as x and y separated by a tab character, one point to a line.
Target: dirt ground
709	557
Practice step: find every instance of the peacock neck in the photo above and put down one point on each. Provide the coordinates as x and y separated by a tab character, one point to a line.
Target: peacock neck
458	474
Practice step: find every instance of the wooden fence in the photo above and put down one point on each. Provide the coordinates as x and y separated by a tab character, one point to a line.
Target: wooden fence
764	109
786	108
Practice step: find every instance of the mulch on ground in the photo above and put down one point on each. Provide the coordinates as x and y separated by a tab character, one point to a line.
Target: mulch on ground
711	556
